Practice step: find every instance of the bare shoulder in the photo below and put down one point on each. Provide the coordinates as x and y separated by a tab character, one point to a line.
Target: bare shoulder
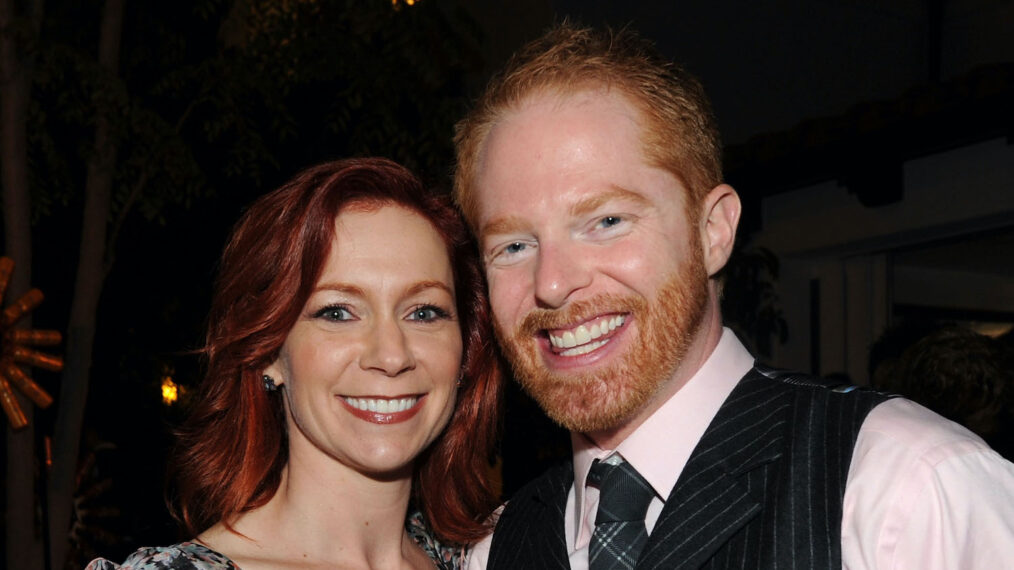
238	543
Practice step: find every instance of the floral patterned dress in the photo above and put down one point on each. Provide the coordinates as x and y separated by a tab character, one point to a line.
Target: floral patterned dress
193	556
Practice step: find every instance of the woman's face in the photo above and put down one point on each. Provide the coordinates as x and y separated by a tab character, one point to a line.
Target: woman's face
371	365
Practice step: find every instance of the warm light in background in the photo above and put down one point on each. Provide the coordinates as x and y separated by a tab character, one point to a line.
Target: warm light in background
406	2
170	391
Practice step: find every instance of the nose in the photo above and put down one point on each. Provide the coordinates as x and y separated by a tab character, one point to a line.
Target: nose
387	350
559	272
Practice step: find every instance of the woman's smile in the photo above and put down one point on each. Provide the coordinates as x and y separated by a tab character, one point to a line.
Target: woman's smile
384	410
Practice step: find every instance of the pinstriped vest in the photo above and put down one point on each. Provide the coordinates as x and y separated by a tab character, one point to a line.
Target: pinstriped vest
762	489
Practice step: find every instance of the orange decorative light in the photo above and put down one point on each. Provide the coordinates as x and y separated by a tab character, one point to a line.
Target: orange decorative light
14	350
170	391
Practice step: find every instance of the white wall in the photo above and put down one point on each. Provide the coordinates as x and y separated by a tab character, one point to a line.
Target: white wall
823	233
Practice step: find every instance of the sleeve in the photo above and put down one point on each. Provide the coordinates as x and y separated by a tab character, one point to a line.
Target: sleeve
925	493
964	517
142	559
102	564
183	556
478	555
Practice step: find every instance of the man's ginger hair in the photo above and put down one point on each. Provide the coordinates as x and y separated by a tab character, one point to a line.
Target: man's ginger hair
679	131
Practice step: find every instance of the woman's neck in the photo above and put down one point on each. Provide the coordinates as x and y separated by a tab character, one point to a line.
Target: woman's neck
326	514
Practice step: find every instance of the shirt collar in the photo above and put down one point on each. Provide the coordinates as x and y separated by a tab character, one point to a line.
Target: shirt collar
680	422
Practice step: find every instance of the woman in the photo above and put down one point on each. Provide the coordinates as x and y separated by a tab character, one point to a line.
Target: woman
352	387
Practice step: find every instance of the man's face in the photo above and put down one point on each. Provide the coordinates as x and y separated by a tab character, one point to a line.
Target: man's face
595	272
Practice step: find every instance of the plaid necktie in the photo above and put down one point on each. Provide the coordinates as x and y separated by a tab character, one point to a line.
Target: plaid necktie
620	534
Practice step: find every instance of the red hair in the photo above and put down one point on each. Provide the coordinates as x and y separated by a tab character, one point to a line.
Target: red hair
232	449
678	128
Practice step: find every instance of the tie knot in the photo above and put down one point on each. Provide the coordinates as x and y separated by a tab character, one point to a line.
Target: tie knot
623	494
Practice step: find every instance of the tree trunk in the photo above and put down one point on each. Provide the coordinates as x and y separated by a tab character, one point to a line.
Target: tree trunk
87	289
24	545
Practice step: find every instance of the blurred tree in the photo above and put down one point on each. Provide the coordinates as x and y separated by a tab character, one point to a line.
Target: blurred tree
108	99
750	304
184	111
19	27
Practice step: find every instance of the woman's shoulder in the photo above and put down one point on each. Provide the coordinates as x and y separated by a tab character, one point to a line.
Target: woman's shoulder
183	556
445	557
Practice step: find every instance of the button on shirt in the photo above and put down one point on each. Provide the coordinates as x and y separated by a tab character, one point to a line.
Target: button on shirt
922	492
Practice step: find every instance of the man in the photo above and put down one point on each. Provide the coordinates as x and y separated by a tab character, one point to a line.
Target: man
590	173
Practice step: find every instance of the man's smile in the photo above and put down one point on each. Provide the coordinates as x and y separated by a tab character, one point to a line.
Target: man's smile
585	337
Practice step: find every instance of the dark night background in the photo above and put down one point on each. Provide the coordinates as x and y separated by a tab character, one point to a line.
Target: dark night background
217	101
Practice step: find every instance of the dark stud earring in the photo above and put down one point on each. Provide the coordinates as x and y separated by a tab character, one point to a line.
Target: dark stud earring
269	383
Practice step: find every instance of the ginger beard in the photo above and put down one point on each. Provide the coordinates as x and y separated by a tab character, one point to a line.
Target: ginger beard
606	398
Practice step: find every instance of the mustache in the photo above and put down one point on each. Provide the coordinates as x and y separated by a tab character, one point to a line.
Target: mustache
539	319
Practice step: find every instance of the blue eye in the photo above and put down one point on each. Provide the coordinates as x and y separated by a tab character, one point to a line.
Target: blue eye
516	247
508	253
336	313
428	313
610	221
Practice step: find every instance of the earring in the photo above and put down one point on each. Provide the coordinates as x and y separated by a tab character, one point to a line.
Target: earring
460	378
269	383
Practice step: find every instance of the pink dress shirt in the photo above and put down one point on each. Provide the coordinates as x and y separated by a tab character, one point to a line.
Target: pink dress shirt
922	492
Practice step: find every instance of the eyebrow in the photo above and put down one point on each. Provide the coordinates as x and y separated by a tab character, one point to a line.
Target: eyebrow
430	284
512	223
359	292
340	288
592	203
502	225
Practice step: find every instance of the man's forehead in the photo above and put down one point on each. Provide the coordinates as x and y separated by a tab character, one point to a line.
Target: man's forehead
528	121
557	117
584	97
530	147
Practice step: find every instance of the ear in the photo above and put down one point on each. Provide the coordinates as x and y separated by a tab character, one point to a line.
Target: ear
721	209
276	371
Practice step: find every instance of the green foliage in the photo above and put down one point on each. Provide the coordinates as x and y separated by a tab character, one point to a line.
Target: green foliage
154	163
362	78
235	96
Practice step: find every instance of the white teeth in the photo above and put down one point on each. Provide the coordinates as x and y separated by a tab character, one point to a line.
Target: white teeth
568	340
382	405
584	348
582	336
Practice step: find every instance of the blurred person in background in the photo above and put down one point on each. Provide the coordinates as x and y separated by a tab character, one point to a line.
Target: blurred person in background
960	374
